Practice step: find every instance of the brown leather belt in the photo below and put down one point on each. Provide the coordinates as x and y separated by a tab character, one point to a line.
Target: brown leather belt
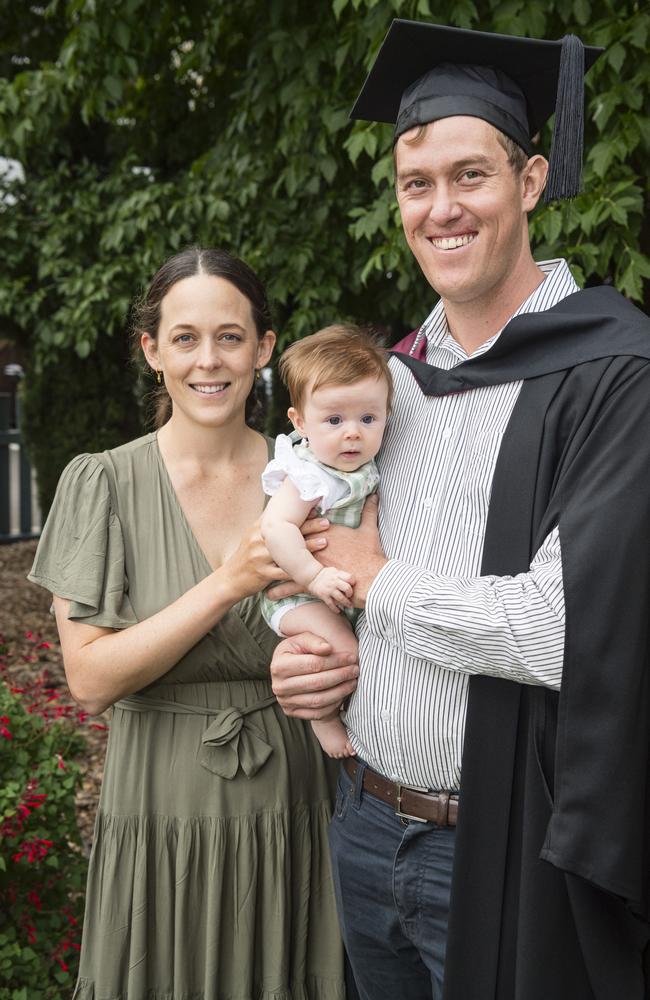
409	803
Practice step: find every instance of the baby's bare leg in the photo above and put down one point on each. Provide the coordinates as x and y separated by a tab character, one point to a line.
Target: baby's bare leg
336	629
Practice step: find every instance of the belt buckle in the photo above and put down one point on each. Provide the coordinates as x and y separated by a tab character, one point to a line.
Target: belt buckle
398	807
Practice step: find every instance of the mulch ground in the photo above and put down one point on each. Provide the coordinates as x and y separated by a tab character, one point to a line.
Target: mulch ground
24	619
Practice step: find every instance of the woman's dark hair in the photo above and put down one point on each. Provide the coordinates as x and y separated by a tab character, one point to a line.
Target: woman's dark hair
145	317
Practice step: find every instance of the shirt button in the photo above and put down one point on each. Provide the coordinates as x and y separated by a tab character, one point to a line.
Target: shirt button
385	714
427	503
446	434
389	634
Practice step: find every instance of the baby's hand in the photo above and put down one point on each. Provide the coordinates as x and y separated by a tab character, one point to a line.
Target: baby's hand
333	587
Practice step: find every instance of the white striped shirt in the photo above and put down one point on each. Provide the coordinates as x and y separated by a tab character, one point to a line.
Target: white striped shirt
431	619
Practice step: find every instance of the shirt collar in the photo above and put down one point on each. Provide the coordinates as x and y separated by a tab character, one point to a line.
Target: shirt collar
557	284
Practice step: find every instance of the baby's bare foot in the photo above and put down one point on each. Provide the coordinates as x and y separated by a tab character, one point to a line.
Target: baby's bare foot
333	737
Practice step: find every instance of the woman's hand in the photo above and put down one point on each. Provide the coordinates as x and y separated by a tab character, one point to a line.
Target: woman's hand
250	568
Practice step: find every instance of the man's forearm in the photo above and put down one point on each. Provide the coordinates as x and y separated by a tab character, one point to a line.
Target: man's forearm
509	627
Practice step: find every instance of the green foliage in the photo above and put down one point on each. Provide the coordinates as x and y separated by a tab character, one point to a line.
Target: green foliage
42	869
604	231
143	127
71	405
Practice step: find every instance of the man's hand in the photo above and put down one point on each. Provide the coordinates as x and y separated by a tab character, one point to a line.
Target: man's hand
356	550
309	680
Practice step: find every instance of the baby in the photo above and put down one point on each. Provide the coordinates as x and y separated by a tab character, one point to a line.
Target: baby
340	390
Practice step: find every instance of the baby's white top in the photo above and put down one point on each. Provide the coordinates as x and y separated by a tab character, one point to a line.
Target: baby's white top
313	480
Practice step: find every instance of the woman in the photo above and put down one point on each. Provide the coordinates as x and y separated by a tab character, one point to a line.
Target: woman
209	876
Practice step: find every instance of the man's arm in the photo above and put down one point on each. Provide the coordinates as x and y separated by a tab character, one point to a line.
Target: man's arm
511	627
503	626
508	626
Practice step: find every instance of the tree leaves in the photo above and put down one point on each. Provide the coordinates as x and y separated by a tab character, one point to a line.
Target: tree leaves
144	127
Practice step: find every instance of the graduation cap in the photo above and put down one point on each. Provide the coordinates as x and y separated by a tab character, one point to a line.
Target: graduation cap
424	72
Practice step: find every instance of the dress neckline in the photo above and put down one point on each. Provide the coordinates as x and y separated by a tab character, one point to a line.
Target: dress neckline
177	504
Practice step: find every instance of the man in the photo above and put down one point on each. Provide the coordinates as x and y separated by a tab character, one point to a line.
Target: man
503	652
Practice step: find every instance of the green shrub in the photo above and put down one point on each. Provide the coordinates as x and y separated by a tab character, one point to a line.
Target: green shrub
42	869
74	406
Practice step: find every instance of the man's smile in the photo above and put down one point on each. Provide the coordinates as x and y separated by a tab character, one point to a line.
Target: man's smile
451	242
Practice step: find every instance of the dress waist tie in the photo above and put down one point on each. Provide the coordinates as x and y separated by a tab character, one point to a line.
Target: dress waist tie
230	741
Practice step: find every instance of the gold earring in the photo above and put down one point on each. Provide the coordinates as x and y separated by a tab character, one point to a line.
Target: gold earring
159	377
257	375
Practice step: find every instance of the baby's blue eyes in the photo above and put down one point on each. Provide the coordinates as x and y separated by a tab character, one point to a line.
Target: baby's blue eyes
336	421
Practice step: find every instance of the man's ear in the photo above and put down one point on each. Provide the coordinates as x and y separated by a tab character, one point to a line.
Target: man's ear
533	178
296	420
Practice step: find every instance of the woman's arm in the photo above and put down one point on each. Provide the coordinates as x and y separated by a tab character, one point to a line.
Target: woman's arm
103	665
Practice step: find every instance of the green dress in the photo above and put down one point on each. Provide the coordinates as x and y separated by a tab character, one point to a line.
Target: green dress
209	875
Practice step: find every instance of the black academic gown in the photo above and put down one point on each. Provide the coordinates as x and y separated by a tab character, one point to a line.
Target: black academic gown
550	895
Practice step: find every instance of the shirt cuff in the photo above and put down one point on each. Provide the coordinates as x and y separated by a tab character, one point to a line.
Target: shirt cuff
388	598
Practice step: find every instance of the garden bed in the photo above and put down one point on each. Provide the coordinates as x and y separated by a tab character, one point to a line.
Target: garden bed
30	634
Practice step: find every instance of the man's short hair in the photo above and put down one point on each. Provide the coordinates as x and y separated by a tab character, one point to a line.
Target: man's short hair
341	354
517	157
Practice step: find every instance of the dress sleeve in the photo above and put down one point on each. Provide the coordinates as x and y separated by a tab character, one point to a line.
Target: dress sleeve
80	555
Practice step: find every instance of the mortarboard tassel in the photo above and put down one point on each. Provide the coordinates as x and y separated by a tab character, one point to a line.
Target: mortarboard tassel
565	161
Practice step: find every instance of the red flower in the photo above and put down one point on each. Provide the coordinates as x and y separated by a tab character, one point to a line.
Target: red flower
35	801
35	899
32	850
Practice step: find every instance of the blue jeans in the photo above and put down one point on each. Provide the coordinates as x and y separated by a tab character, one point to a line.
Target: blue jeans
392	879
